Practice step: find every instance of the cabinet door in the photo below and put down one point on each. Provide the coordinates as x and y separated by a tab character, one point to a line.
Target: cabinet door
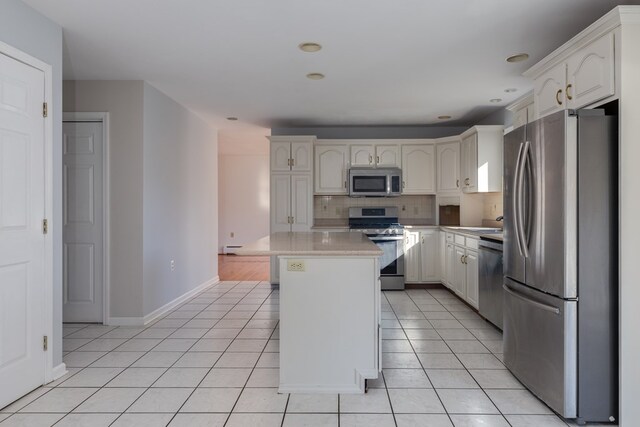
469	163
450	265
301	156
331	169
448	166
412	261
548	91
280	202
274	270
418	169
471	267
301	203
362	155
590	73
388	156
429	255
459	272
280	156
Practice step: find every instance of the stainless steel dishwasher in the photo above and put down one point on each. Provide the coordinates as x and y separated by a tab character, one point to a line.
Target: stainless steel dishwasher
490	279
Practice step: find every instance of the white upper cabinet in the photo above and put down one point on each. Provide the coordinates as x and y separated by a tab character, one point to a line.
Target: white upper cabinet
375	155
280	156
590	73
418	169
387	156
581	72
448	166
362	155
481	159
301	156
548	91
292	153
331	167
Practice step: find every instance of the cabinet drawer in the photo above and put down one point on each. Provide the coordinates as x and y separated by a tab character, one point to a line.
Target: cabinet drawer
472	243
459	240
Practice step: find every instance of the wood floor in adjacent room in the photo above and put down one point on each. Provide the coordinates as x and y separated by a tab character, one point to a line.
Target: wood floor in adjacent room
233	267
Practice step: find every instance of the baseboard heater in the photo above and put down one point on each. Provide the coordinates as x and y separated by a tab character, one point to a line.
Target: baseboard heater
230	249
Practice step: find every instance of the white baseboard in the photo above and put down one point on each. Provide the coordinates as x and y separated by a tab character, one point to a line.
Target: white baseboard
58	371
141	321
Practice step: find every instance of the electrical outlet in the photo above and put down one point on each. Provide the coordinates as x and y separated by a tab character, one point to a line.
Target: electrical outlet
173	265
232	234
293	265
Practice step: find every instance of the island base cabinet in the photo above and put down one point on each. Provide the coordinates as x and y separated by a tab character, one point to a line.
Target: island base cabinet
329	324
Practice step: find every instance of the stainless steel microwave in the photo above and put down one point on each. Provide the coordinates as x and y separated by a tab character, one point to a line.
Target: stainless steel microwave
369	182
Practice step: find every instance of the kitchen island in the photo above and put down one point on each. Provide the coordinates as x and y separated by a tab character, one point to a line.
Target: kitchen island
329	309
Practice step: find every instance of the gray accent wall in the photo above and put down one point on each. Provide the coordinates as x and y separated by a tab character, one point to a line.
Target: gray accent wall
27	30
163	189
372	132
123	100
180	200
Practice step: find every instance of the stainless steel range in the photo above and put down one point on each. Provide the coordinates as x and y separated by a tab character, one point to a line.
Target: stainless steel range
382	227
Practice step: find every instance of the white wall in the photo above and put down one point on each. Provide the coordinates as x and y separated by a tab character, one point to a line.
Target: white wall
180	200
243	186
25	29
123	100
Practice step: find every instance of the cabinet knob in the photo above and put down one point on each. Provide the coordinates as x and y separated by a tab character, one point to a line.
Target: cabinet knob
370	159
377	159
466	182
292	163
558	93
462	259
457	183
569	97
403	184
288	162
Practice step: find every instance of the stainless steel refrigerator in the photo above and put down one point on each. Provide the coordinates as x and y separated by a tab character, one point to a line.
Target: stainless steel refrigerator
560	261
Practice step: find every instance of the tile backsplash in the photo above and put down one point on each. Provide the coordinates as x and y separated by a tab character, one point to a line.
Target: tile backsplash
414	208
492	206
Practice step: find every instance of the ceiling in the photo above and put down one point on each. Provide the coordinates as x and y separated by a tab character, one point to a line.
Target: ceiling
401	62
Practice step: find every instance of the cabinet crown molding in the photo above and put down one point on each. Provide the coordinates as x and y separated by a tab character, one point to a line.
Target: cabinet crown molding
480	129
602	26
523	101
292	138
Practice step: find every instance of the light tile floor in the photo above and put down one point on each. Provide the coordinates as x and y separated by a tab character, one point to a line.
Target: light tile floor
213	361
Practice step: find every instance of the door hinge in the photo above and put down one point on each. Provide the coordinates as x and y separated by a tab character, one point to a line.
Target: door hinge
45	226
45	109
45	343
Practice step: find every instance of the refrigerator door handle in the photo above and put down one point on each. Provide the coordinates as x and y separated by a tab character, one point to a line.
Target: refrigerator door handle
520	200
516	214
540	305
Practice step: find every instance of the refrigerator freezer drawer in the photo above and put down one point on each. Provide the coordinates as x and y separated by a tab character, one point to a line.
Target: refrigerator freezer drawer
540	345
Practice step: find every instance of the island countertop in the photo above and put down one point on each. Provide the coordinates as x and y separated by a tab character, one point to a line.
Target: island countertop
312	243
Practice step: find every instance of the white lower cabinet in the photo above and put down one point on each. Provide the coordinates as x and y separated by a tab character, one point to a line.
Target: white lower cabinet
460	265
421	256
471	267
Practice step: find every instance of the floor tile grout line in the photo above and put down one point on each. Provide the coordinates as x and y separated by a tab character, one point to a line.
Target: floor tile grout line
149	387
419	361
258	359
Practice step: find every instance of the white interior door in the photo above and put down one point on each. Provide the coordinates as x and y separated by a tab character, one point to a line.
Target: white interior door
82	213
22	243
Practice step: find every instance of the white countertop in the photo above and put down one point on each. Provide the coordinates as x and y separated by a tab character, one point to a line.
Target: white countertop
312	243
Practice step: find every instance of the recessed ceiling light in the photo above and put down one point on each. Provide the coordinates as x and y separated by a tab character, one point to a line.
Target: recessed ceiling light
233	119
315	76
518	57
495	100
511	90
309	47
444	117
